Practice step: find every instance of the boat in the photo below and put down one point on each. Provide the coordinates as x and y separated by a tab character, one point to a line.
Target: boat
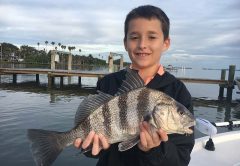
226	153
226	150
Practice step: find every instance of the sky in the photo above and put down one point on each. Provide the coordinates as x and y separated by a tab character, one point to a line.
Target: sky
203	33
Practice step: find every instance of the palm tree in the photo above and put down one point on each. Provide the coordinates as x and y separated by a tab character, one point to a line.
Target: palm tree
46	42
69	48
64	47
38	45
59	44
53	43
73	47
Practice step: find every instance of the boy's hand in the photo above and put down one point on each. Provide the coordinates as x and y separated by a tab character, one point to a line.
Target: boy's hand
98	142
149	139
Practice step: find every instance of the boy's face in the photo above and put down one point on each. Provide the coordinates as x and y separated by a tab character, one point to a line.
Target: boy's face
145	42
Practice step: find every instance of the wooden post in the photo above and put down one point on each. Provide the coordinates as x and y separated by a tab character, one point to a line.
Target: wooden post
121	62
14	78
61	82
221	86
80	81
69	67
51	81
70	61
227	113
53	53
69	80
230	82
37	79
110	63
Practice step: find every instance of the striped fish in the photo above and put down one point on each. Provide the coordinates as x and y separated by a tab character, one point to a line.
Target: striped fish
116	117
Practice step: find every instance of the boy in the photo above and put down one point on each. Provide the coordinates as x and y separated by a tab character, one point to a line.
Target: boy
146	38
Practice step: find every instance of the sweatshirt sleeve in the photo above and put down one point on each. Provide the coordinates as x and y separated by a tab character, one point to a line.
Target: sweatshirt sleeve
175	152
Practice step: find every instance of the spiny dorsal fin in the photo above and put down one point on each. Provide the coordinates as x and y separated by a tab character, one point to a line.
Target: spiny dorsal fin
89	104
132	81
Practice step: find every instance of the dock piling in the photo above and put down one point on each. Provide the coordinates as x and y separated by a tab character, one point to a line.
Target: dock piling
51	81
14	78
80	81
37	79
230	86
221	86
61	81
110	63
53	65
70	61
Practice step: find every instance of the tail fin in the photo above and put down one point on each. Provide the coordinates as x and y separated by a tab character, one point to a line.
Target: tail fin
45	146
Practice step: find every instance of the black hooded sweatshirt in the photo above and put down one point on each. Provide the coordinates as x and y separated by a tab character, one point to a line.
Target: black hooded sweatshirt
175	152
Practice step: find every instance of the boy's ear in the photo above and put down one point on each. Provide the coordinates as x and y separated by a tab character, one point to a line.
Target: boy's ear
166	44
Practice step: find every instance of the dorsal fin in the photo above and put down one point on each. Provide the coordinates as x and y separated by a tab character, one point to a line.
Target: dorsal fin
89	104
131	82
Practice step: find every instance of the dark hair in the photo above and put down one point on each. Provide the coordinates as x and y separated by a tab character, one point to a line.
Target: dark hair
148	12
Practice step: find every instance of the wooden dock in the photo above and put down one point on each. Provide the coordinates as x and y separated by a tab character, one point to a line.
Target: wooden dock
10	71
52	73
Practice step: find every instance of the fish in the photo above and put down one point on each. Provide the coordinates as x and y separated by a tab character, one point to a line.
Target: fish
117	117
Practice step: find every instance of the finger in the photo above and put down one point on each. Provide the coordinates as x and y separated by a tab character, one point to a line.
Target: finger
148	134
77	142
163	135
104	141
143	139
156	138
95	149
88	140
146	126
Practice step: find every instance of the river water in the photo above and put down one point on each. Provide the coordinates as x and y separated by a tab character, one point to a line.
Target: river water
26	105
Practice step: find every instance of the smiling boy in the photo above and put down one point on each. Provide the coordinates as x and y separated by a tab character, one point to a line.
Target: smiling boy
146	38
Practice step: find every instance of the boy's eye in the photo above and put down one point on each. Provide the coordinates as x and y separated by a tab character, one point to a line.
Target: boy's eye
133	37
152	37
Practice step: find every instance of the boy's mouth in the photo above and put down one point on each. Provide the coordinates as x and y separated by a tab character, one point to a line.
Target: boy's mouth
142	54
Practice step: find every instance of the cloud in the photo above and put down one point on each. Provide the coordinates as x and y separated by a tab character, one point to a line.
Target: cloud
97	26
78	26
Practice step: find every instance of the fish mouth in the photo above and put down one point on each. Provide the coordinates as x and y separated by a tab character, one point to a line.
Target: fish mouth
188	129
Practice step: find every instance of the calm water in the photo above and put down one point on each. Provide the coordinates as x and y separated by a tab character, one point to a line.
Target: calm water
27	106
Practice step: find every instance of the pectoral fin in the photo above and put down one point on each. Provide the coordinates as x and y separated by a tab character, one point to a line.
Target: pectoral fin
123	146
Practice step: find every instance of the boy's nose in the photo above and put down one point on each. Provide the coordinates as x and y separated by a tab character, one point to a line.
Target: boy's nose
142	44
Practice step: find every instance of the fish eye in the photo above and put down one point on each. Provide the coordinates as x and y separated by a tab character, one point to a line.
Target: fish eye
181	112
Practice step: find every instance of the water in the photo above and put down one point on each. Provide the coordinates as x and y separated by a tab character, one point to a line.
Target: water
28	106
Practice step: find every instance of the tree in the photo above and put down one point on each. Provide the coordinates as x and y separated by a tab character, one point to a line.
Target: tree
63	47
73	47
90	56
38	45
46	42
70	48
53	43
59	44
